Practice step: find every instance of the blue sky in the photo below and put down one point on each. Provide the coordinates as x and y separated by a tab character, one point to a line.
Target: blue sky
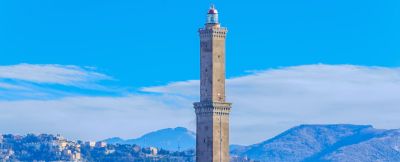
154	42
110	58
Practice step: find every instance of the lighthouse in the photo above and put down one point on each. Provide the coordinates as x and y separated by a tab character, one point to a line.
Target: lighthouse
212	112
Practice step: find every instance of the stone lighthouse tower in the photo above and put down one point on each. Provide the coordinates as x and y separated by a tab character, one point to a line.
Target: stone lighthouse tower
212	112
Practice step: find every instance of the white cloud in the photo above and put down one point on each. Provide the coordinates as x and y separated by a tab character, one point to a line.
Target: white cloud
51	74
93	118
11	86
268	102
265	103
24	81
186	88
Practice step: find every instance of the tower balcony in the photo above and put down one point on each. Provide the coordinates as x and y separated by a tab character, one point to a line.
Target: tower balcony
218	108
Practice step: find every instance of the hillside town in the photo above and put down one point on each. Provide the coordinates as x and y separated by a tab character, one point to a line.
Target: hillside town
46	147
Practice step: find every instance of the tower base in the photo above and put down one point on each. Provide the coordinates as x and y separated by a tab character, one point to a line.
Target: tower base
212	132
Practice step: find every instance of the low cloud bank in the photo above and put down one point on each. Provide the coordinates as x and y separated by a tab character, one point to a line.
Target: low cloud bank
265	103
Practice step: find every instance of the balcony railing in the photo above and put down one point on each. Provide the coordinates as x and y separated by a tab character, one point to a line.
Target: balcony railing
214	29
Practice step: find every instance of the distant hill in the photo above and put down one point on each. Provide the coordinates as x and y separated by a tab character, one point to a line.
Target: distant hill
304	143
342	142
173	139
383	147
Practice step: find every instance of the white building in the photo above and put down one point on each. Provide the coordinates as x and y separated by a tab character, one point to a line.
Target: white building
90	143
154	151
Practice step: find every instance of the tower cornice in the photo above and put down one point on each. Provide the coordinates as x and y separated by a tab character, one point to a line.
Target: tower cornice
218	108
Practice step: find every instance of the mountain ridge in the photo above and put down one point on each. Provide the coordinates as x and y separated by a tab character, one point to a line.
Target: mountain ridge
308	143
303	143
174	139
